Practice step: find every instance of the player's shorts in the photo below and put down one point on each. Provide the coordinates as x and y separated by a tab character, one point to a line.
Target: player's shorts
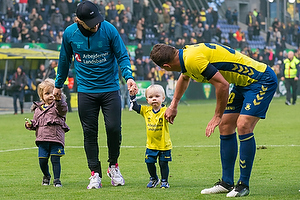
254	99
50	148
151	156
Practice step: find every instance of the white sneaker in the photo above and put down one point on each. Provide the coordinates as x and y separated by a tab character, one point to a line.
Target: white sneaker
95	181
219	187
114	173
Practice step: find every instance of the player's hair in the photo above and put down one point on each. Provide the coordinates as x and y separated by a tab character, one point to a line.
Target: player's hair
45	85
162	53
157	88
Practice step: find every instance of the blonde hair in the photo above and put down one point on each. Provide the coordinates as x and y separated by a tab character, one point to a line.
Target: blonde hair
156	88
45	85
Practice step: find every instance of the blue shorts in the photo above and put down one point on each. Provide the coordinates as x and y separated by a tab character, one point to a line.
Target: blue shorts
151	156
253	99
50	148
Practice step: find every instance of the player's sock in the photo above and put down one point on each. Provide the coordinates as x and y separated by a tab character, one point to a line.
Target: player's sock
228	151
247	153
44	166
55	160
152	170
164	170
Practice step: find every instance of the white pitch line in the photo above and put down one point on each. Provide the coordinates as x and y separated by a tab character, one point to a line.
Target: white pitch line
187	146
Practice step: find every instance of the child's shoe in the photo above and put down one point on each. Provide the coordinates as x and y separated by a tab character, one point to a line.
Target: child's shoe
164	184
153	182
95	181
114	173
57	183
46	180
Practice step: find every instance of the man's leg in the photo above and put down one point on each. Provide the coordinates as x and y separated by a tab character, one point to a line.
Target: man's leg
88	110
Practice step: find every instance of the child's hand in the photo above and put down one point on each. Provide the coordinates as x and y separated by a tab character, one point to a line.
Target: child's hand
131	92
28	123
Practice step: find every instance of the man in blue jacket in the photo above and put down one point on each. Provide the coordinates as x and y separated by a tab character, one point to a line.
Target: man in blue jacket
98	50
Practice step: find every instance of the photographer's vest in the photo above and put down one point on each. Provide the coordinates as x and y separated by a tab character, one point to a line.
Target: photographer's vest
290	67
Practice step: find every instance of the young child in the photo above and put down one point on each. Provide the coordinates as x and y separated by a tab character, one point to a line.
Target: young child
158	137
49	123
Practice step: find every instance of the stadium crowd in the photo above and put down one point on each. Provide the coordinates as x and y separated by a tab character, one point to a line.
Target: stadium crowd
38	21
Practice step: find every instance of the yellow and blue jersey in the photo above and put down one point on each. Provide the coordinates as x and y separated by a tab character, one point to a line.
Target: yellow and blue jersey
235	67
158	136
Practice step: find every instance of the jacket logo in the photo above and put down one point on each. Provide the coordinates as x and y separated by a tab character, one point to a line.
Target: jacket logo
77	57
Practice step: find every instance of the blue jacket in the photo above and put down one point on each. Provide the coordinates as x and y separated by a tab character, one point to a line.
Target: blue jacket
96	59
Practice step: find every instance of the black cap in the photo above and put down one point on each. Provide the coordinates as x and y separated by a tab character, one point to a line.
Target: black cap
89	13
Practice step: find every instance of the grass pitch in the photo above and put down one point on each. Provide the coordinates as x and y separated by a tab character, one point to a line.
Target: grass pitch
196	160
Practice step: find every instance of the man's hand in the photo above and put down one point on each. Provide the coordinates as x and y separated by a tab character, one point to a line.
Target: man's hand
214	122
57	94
132	87
170	114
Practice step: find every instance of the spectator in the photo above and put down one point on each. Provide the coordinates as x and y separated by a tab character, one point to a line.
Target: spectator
63	8
59	37
139	52
256	30
128	14
228	15
68	21
23	6
117	23
15	32
126	25
25	37
33	16
39	22
206	35
17	85
137	11
34	35
187	28
215	16
147	14
148	64
46	12
71	6
250	18
101	8
139	31
56	20
209	17
120	7
250	30
124	36
290	75
203	16
235	17
40	74
139	70
112	13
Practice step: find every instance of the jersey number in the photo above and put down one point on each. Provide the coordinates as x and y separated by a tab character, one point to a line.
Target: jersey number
212	46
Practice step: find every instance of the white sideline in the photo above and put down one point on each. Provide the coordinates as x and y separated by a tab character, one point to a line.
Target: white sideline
187	146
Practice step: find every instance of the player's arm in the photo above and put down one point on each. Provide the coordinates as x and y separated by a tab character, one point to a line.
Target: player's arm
181	86
222	93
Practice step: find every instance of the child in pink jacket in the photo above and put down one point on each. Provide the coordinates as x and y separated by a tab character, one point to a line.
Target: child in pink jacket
50	126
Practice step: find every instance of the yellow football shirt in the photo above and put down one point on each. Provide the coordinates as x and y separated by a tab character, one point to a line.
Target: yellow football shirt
158	136
235	67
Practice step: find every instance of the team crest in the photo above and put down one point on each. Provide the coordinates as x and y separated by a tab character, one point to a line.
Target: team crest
100	44
247	107
160	120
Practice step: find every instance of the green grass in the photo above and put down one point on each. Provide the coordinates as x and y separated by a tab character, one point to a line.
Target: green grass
195	165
